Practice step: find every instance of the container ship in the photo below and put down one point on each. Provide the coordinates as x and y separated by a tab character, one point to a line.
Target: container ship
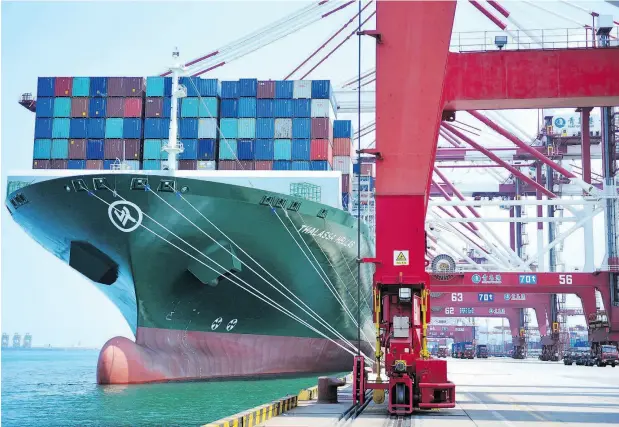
238	259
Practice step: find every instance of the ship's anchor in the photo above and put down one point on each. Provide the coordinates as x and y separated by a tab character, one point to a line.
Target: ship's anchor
216	323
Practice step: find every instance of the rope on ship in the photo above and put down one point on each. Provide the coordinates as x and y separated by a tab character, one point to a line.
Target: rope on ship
257	293
330	285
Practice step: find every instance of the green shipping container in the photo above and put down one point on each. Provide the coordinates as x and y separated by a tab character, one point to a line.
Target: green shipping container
81	86
62	107
60	149
42	149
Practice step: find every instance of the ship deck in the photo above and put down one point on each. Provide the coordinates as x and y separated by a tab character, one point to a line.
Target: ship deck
492	392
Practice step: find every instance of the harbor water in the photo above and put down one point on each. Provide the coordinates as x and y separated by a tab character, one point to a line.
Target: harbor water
58	388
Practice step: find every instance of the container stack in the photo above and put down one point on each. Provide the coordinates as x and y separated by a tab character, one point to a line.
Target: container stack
83	121
156	121
342	156
322	120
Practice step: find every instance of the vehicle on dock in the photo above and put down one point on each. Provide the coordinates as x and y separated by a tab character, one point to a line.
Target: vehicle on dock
482	351
442	351
606	355
463	350
568	357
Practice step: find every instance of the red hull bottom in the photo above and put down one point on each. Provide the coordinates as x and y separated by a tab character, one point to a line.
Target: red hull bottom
173	355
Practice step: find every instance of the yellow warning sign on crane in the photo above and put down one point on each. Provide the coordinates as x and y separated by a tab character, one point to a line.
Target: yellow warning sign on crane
400	257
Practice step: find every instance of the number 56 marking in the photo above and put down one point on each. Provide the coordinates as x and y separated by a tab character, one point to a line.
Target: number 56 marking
565	279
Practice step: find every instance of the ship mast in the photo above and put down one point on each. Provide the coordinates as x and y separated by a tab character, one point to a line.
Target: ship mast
173	147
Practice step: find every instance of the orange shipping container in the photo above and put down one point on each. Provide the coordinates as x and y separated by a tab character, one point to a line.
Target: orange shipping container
321	149
342	147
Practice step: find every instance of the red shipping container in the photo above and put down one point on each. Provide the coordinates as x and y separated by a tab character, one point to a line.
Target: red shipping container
94	164
79	107
264	165
133	148
113	149
133	86
246	165
266	89
41	164
154	107
322	128
321	149
342	147
59	164
115	107
115	86
133	107
227	165
187	165
345	183
63	86
77	149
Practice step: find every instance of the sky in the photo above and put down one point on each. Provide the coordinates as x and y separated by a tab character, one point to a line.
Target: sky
40	294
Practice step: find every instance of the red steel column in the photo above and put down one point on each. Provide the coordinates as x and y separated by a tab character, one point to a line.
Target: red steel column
409	105
586	144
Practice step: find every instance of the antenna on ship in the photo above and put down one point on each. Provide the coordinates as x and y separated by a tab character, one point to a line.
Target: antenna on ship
173	147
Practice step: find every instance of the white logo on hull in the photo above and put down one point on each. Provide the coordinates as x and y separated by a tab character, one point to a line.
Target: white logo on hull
120	213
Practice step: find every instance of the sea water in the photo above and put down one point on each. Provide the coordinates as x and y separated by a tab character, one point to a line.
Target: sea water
54	387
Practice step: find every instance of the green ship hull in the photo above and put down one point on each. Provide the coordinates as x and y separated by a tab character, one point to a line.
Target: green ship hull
216	280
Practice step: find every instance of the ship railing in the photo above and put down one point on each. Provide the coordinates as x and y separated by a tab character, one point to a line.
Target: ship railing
544	39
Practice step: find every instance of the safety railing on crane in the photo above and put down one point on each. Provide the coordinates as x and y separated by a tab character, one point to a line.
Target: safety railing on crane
546	39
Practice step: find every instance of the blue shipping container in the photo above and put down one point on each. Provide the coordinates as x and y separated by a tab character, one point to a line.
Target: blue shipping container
282	165
154	86
206	149
302	108
42	149
301	149
247	107
227	149
94	149
46	86
62	107
230	108
189	107
43	128
96	128
283	108
264	149
345	200
167	108
320	165
229	90
208	87
78	128
265	128
229	128
208	107
97	107
284	89
321	89
282	149
298	165
247	129
114	128
342	129
245	149
265	107
190	151
60	149
81	86
45	107
248	87
76	164
98	86
188	128
132	128
60	128
152	149
153	128
301	128
151	165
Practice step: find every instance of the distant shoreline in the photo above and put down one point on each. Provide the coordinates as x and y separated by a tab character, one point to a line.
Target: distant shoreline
48	348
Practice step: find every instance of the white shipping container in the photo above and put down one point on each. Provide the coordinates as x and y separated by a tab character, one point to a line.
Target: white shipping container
302	89
207	128
342	164
322	108
283	128
133	164
164	165
207	165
